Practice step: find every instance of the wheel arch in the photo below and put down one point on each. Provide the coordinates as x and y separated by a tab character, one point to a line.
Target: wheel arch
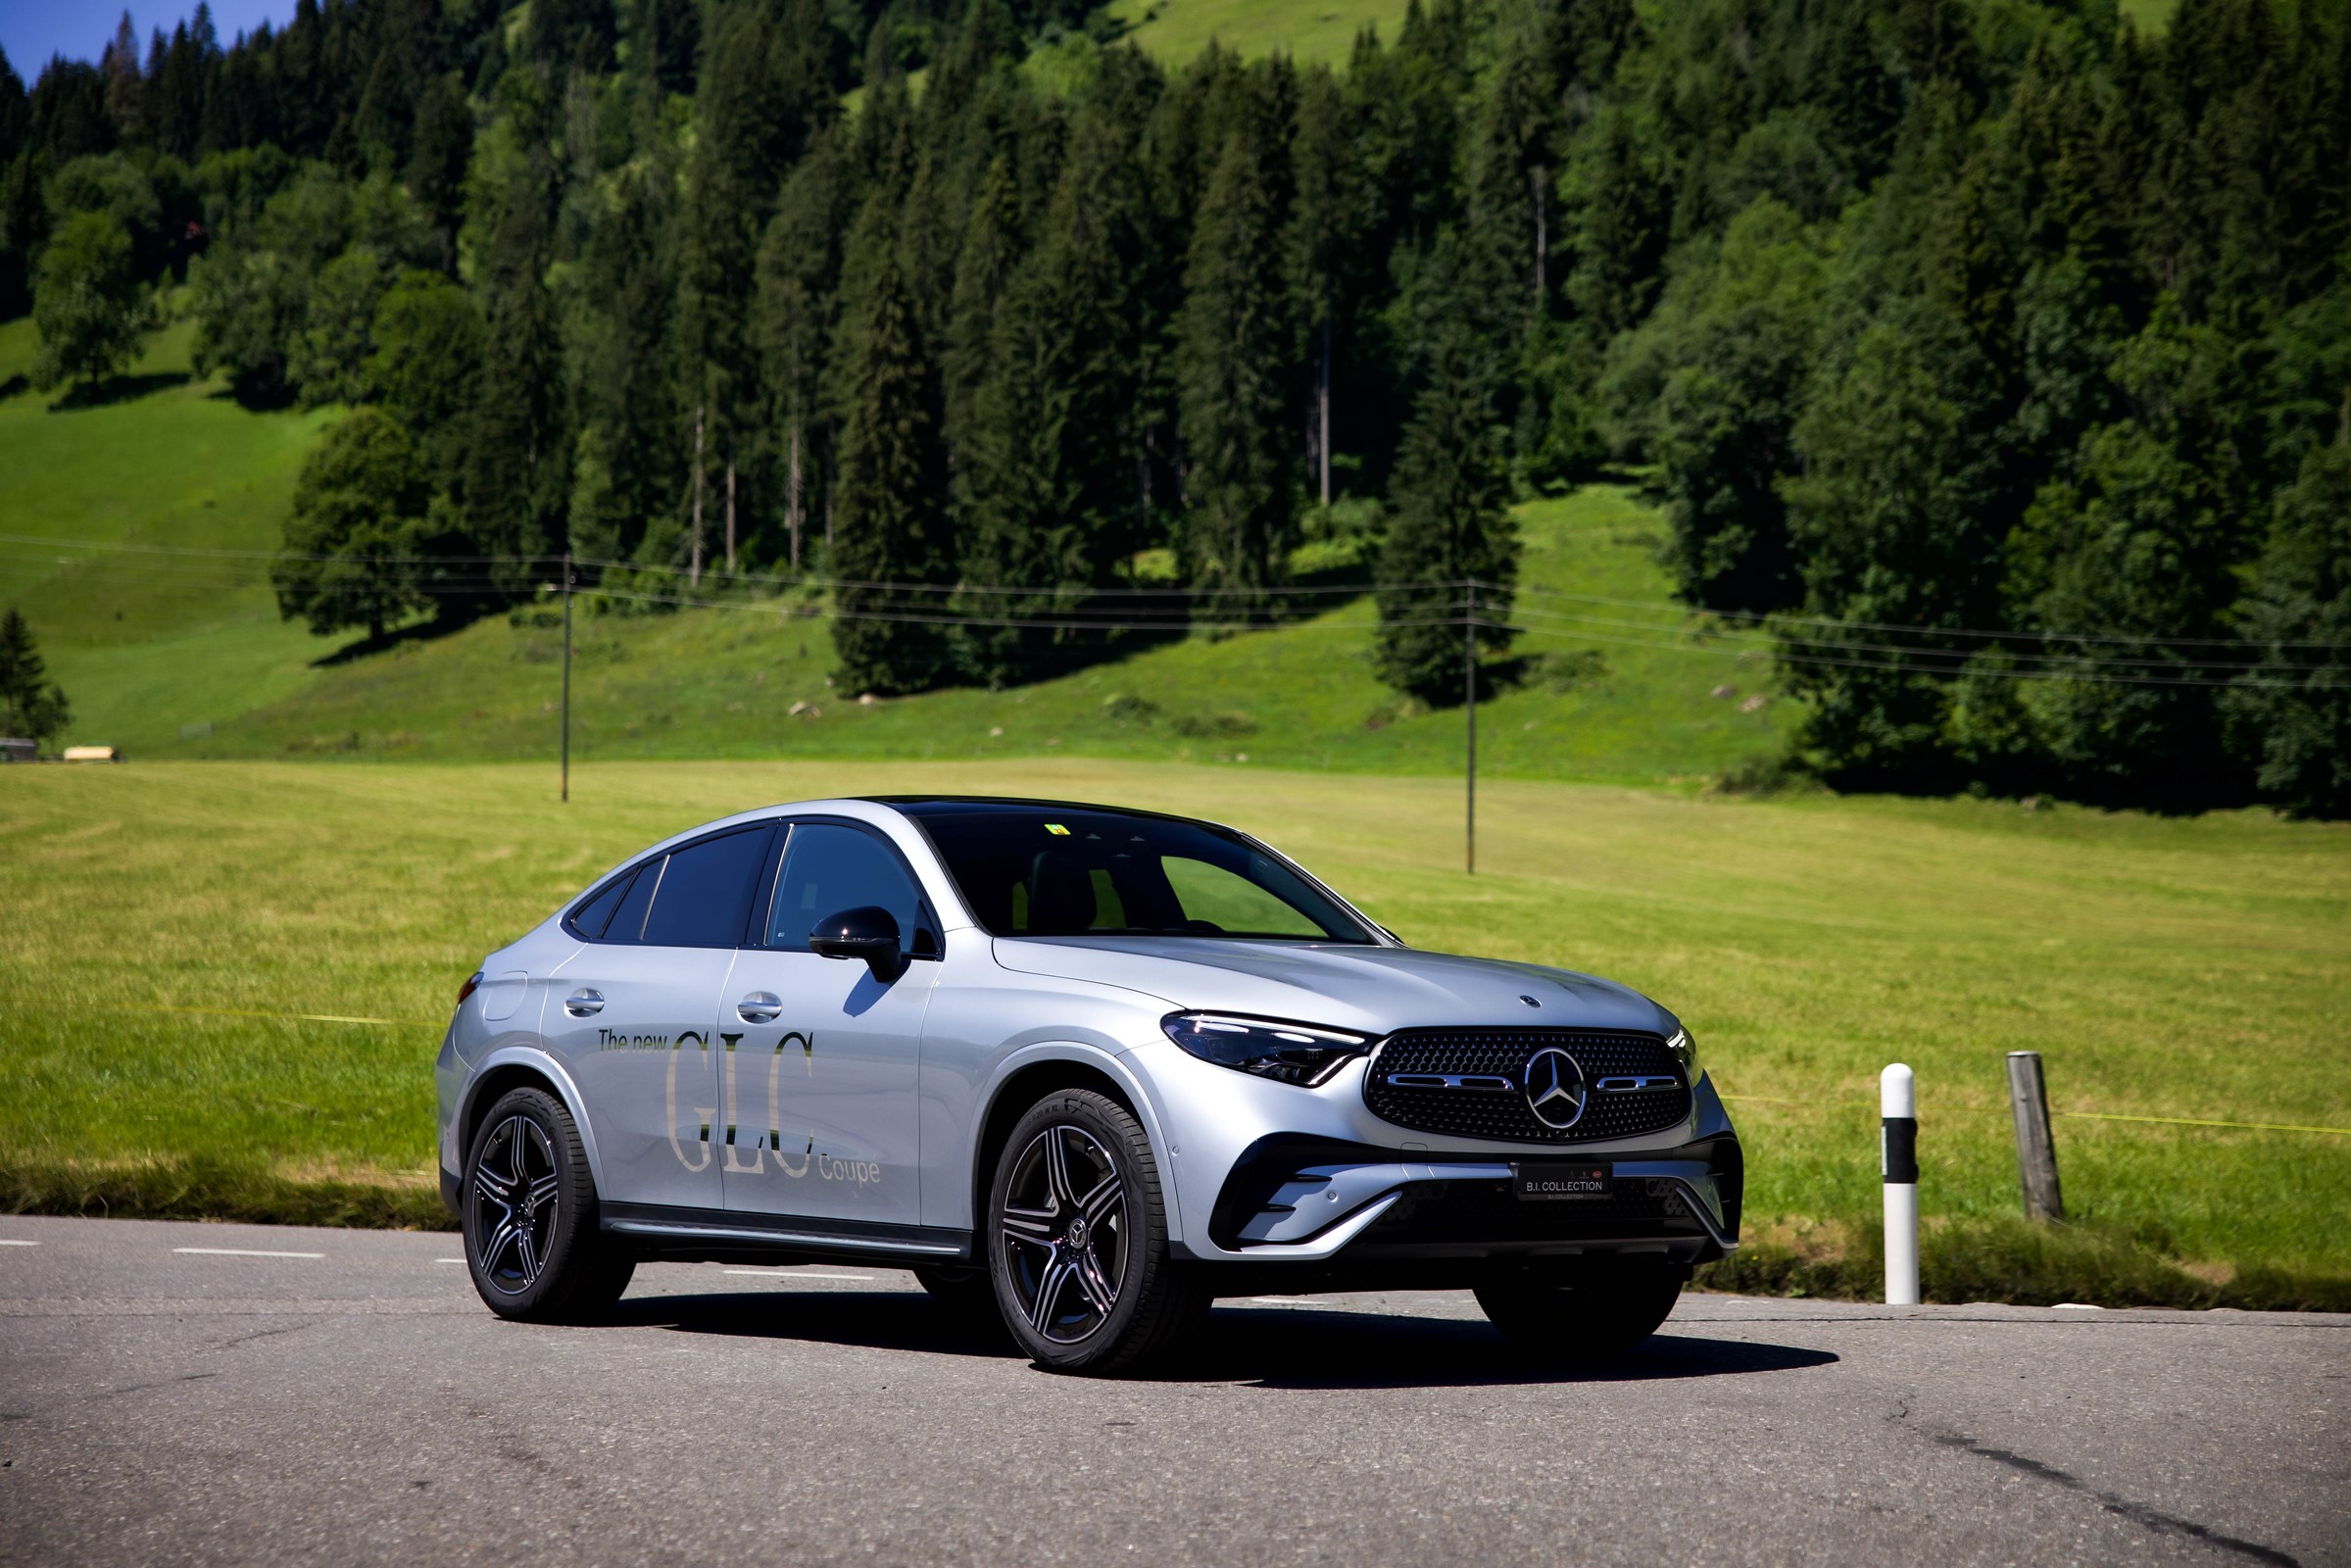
521	1067
1043	1071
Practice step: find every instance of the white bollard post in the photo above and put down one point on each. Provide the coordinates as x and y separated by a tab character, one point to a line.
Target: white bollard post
1899	1163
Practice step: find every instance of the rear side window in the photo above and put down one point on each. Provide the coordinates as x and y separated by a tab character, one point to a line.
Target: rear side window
629	921
590	917
703	899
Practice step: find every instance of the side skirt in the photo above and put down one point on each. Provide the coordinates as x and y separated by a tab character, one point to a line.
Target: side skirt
715	1235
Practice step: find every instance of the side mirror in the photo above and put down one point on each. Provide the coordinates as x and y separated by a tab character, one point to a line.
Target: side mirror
869	932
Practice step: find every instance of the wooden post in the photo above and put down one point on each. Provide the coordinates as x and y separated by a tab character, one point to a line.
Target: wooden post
1469	772
563	788
2035	1150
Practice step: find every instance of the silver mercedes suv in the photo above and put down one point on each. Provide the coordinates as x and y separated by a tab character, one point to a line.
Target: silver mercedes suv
1085	1068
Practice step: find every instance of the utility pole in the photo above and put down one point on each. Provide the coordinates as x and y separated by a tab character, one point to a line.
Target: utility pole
564	789
1469	706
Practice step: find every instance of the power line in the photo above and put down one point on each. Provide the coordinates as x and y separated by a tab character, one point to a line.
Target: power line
1803	651
1770	624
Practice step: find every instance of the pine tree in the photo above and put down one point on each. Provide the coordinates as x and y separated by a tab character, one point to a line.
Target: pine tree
894	524
1050	497
796	313
1450	530
32	706
751	125
984	269
1326	249
443	149
630	470
514	479
1511	168
1234	367
1623	230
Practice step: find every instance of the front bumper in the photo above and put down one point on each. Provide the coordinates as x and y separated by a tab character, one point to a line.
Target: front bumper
1310	1202
1329	1186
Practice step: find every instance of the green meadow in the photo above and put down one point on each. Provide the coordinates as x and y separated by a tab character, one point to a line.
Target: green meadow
1309	32
171	922
138	640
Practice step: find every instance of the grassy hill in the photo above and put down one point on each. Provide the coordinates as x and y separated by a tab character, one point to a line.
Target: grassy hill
185	656
142	643
1324	31
1307	30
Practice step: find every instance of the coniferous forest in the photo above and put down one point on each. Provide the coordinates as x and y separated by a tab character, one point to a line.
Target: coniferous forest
1993	353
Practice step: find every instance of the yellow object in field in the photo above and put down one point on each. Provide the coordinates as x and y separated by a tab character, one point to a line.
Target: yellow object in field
93	753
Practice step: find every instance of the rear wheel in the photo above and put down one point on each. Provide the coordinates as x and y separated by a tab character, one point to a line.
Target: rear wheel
1596	1315
532	1242
1077	1238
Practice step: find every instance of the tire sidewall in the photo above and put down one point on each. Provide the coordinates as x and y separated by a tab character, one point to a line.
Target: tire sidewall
1118	1133
563	1245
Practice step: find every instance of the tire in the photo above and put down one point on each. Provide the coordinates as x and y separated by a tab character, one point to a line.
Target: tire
529	1211
963	1289
1601	1315
1077	1240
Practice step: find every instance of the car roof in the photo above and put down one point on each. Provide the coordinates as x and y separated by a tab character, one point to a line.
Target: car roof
920	806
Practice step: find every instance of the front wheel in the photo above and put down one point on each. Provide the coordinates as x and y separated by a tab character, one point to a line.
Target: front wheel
1077	1238
532	1242
1603	1314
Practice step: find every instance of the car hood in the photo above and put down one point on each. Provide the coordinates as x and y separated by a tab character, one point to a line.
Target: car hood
1371	989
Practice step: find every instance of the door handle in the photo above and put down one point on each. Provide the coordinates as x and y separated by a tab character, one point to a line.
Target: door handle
759	1006
584	1003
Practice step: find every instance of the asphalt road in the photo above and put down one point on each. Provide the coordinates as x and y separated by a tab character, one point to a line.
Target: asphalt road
161	1403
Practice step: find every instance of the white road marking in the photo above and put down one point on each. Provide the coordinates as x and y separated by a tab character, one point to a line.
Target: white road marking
2076	1306
449	1260
5	1242
1282	1300
239	1252
794	1274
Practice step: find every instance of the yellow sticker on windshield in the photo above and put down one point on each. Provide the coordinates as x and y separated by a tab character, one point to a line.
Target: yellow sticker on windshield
1056	829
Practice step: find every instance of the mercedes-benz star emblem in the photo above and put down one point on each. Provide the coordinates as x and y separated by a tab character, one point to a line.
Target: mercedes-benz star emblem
1556	1089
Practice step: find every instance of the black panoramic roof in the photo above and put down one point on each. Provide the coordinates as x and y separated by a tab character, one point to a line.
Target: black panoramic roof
921	805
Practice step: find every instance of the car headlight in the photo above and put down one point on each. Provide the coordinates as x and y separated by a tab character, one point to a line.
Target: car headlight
1685	1051
1287	1053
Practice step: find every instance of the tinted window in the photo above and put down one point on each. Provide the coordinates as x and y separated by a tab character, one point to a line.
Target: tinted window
1048	870
705	897
628	922
828	868
590	917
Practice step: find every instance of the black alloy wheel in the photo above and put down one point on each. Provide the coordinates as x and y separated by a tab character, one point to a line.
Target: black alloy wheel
1077	1238
532	1241
1064	1220
516	1201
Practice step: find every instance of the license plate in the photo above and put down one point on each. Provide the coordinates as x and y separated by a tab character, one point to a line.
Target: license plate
1562	1183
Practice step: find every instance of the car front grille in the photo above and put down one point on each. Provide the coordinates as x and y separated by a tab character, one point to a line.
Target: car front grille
1501	1056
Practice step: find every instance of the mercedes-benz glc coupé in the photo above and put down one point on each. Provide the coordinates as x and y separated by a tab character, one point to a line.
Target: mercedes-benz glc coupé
1086	1067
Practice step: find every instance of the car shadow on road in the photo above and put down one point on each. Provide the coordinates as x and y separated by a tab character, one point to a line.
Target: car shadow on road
1274	1347
1311	1348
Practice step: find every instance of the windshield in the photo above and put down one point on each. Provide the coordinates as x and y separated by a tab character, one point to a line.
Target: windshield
1030	870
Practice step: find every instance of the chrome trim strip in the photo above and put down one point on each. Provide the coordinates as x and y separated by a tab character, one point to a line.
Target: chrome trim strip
1450	1080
